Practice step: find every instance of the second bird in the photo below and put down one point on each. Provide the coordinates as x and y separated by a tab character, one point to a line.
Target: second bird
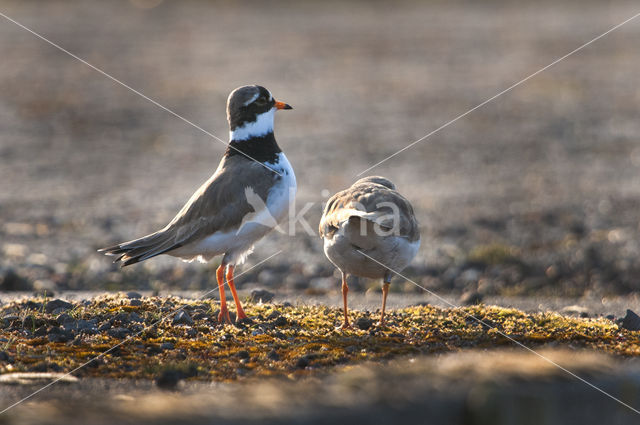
369	230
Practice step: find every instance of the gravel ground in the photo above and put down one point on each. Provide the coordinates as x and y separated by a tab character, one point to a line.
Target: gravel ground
536	193
506	387
531	201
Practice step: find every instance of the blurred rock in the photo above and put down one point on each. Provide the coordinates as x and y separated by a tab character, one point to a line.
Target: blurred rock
471	298
11	281
44	287
182	318
57	304
119	333
631	321
261	295
169	380
575	310
363	323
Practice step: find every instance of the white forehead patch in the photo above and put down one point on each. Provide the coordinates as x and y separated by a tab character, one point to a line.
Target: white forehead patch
250	101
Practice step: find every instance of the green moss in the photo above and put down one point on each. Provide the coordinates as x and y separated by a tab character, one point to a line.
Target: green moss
493	254
308	343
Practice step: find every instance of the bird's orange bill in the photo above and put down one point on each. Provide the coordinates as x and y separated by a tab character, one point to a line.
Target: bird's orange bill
282	105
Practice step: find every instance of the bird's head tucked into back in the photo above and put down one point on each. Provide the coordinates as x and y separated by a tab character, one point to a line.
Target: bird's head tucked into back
250	112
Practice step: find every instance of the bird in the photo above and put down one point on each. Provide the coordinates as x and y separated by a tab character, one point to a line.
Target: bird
369	230
213	221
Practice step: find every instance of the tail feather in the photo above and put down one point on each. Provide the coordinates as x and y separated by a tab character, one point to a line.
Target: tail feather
142	248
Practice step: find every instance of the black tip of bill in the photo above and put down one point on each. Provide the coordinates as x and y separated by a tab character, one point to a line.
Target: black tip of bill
287	106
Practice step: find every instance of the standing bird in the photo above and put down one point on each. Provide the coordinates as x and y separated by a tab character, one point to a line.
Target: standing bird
213	221
370	218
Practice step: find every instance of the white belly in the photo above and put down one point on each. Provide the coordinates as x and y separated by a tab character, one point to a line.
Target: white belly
237	243
394	252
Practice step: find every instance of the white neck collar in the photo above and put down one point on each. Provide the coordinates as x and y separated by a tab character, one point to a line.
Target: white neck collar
262	126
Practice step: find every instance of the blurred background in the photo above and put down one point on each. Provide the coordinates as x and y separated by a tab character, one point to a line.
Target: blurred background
535	193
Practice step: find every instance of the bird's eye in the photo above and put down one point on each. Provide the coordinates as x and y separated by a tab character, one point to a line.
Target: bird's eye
260	101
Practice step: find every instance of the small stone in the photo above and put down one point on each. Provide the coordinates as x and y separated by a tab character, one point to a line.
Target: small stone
243	354
261	295
302	362
273	315
631	321
471	298
134	295
123	318
56	304
364	323
30	322
273	355
32	305
11	281
169	380
5	357
280	321
166	346
59	335
135	317
135	303
611	317
104	327
182	318
119	333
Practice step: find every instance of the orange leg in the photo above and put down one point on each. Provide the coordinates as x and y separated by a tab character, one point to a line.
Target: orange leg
385	292
224	312
345	291
239	311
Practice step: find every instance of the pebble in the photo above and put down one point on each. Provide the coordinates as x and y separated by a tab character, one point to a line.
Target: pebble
182	318
59	335
363	323
471	298
119	333
273	355
302	362
274	314
56	304
11	281
631	321
135	317
261	295
280	321
169	380
166	346
134	295
135	303
5	357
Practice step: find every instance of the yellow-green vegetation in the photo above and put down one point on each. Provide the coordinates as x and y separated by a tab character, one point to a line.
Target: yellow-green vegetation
494	253
278	340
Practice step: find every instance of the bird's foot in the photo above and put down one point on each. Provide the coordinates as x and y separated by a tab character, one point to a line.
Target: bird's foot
345	325
381	324
223	316
241	316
